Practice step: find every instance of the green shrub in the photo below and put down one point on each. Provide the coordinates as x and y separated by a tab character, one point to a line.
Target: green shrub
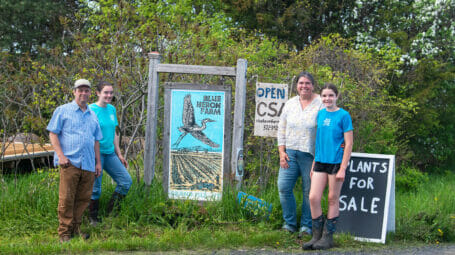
409	179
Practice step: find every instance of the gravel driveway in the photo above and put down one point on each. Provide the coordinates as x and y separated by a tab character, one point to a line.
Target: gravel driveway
443	249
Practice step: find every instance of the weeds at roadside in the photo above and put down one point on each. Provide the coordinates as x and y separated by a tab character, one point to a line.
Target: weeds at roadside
148	221
425	214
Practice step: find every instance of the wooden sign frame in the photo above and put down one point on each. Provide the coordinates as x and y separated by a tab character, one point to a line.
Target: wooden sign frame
155	67
196	140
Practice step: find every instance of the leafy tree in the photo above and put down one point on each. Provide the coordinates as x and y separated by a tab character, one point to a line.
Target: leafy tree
27	25
421	29
423	33
298	22
429	128
400	103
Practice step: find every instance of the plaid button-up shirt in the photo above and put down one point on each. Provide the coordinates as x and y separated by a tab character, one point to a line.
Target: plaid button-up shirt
77	132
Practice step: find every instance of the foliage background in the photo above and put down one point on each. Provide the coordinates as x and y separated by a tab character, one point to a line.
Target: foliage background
393	61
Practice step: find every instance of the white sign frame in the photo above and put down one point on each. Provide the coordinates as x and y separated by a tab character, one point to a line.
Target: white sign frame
388	219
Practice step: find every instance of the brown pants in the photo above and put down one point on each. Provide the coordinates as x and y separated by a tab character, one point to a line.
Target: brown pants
74	195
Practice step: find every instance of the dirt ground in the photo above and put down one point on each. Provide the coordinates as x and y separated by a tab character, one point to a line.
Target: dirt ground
443	249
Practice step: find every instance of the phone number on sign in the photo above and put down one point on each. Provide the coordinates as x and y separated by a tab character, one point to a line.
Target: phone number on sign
270	127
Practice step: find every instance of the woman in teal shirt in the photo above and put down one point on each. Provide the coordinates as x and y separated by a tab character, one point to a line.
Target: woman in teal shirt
112	160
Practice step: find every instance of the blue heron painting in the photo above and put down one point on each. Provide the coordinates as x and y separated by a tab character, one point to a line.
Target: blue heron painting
191	127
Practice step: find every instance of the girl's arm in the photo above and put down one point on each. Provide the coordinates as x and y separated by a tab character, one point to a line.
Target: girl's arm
348	142
98	167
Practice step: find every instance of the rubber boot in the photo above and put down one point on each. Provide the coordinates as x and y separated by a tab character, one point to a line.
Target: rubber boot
326	241
317	225
93	212
114	203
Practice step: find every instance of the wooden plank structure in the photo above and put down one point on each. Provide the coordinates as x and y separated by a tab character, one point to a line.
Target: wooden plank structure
19	150
155	67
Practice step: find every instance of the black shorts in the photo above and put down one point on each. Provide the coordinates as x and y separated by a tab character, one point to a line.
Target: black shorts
326	168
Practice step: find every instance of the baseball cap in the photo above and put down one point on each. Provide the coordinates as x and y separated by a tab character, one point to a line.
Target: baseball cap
81	82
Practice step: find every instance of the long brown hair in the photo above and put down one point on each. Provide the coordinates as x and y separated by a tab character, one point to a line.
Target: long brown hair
102	84
330	86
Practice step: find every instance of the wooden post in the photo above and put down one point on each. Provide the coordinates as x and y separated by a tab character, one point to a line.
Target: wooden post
152	112
239	114
152	107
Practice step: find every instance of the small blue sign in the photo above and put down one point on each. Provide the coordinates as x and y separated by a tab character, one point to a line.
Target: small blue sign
252	203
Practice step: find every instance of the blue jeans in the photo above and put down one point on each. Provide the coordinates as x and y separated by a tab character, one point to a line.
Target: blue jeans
114	167
299	165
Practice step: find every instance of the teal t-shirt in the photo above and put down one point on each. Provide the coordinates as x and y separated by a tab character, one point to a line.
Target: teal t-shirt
330	135
107	117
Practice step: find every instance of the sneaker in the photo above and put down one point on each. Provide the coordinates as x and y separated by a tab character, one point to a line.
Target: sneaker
304	231
94	221
288	228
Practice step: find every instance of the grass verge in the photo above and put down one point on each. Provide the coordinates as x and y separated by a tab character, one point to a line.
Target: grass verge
149	222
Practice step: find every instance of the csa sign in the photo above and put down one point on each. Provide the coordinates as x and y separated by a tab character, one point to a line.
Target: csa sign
270	99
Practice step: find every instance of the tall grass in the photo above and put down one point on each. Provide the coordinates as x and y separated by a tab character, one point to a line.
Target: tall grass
428	214
148	221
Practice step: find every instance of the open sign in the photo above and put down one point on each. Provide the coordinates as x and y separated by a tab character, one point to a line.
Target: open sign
270	100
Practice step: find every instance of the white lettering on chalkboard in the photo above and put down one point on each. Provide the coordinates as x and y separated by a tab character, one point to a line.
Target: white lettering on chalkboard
361	183
374	205
352	204
368	167
384	168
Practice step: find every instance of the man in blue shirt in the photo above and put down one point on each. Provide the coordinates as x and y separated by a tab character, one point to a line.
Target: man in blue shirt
75	134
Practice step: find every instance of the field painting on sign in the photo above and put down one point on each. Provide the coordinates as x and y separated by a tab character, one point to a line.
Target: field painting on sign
196	144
